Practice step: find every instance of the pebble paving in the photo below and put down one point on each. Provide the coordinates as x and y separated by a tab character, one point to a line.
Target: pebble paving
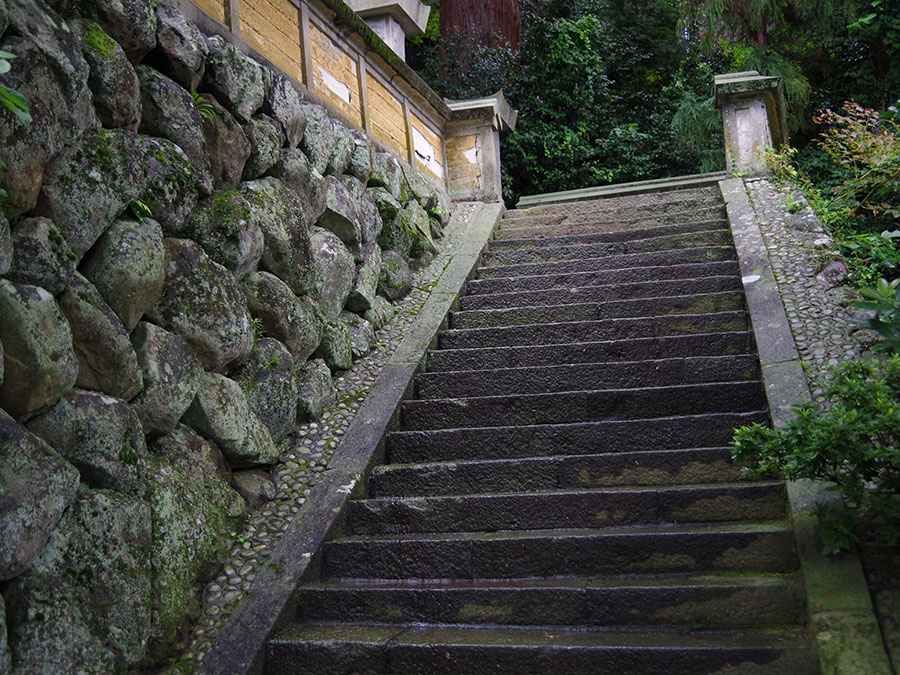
306	459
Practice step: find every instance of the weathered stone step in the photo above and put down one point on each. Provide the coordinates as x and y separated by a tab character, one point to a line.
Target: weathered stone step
548	236
707	602
605	293
705	344
582	406
600	278
697	254
581	223
589	311
659	467
581	438
397	649
650	201
593	331
568	509
759	548
673	242
604	375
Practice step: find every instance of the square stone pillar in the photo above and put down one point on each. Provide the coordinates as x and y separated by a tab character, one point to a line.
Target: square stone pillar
393	20
753	116
472	137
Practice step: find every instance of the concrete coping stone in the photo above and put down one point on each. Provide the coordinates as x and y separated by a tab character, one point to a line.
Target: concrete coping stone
495	108
412	15
841	616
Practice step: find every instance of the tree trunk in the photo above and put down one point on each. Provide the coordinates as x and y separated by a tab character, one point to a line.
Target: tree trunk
484	19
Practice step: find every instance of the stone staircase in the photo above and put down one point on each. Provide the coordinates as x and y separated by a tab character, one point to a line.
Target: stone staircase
559	497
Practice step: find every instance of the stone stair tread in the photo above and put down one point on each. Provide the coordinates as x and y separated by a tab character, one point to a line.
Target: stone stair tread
589	219
548	238
618	203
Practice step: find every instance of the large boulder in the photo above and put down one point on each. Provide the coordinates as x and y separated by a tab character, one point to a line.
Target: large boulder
113	82
88	186
366	209
294	321
36	486
128	266
101	436
193	510
419	188
395	280
360	165
131	23
318	136
267	378
255	486
286	253
398	233
362	334
221	413
333	271
340	214
229	231
202	302
170	112
439	207
388	173
106	359
180	47
388	207
295	171
172	185
336	348
380	314
414	219
266	139
39	359
41	255
362	296
94	575
341	149
316	390
283	102
228	146
171	376
236	80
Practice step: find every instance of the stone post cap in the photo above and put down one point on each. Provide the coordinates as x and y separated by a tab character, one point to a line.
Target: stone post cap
495	108
412	15
745	84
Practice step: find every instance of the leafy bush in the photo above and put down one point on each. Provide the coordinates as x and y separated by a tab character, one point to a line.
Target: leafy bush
884	300
855	444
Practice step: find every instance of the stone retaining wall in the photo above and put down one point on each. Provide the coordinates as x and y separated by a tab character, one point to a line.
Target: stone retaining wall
180	276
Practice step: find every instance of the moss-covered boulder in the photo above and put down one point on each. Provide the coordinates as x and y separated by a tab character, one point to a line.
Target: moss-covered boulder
439	207
100	436
106	359
236	80
193	511
255	486
227	144
267	378
362	334
171	377
36	486
131	23
366	209
333	272
395	280
397	233
341	149
419	188
360	166
294	321
362	296
316	390
387	173
91	184
128	266
221	413
336	349
112	80
340	214
98	561
318	136
283	102
41	256
413	218
229	231
266	139
173	185
380	314
39	359
203	303
295	171
180	47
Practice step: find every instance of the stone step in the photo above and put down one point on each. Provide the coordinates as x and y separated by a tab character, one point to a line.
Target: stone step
605	293
582	406
758	548
584	222
707	602
589	311
673	242
604	375
568	509
600	278
697	254
656	467
397	649
546	237
581	438
593	331
705	344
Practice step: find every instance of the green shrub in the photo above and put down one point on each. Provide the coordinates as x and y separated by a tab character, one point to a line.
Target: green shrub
854	443
884	300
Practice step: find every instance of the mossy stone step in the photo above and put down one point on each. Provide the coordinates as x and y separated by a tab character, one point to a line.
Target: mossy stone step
621	202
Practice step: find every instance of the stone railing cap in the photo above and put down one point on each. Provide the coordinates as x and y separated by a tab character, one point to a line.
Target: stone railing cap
503	116
412	15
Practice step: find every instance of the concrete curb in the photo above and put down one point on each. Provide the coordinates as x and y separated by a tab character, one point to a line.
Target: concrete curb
620	189
840	611
270	605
